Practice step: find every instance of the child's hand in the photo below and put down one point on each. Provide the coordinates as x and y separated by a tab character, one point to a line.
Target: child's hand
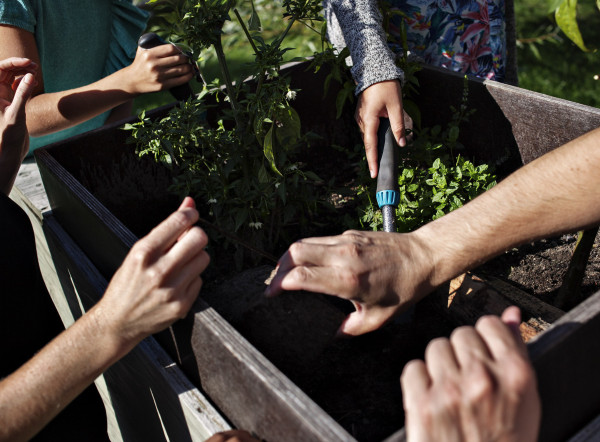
156	69
382	99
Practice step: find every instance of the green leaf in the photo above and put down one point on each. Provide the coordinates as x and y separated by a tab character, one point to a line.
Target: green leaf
566	19
312	176
268	151
254	22
553	4
438	197
289	131
263	176
453	134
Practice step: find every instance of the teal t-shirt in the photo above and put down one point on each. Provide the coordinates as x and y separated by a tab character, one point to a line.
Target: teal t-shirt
79	42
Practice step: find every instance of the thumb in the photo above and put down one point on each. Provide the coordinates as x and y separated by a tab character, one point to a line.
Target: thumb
363	320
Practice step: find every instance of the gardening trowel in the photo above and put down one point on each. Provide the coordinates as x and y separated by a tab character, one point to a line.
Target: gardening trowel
183	91
387	194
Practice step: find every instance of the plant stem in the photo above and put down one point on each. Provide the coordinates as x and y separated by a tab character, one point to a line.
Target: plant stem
287	29
254	48
248	36
228	83
570	291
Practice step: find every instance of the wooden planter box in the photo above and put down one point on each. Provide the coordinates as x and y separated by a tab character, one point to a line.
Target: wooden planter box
221	353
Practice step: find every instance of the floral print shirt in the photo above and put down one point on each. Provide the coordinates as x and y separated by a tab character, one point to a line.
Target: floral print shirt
466	36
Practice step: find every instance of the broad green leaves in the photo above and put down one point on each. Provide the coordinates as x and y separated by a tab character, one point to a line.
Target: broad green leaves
565	13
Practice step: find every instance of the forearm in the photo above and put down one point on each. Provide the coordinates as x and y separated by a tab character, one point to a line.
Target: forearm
358	25
52	112
554	194
40	389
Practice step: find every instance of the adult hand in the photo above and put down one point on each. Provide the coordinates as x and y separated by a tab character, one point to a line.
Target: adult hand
16	85
156	69
158	281
476	386
382	99
232	436
381	273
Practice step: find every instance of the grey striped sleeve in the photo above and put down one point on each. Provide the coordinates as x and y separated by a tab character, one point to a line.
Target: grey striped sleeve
357	24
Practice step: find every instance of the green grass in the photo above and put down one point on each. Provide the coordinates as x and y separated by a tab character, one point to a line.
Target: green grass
548	62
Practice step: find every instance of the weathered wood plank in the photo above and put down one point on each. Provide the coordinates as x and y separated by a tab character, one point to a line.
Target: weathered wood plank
511	126
566	358
589	433
30	183
541	123
250	390
469	297
44	258
399	436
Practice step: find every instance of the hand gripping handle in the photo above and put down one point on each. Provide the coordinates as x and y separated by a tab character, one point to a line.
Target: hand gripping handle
151	40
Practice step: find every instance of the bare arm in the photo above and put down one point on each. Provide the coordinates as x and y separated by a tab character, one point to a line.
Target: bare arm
152	70
156	285
384	273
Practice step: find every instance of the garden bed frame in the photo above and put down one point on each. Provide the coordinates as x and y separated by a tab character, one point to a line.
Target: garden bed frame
230	378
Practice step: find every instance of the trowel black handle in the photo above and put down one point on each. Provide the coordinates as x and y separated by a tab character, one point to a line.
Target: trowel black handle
387	152
151	40
387	194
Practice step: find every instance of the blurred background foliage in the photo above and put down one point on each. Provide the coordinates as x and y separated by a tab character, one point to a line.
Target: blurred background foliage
549	61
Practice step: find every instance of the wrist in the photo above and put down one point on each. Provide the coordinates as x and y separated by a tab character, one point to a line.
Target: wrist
125	80
443	252
112	344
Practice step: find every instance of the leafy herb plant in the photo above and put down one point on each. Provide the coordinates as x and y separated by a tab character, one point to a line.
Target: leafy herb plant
236	147
434	178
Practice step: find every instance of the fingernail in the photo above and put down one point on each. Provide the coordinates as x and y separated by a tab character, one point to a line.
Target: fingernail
372	172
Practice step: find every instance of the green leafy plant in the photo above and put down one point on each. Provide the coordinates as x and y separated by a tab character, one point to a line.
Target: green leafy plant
236	147
433	178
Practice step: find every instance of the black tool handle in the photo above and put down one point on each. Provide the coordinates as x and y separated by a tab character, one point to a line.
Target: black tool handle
387	152
151	40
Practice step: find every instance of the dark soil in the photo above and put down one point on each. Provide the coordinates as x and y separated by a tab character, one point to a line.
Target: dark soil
356	381
539	267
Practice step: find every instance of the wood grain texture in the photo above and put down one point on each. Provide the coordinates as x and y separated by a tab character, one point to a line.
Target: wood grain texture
250	390
468	297
566	358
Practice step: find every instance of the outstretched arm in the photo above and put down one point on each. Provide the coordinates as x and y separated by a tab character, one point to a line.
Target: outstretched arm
155	69
357	24
156	285
384	273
